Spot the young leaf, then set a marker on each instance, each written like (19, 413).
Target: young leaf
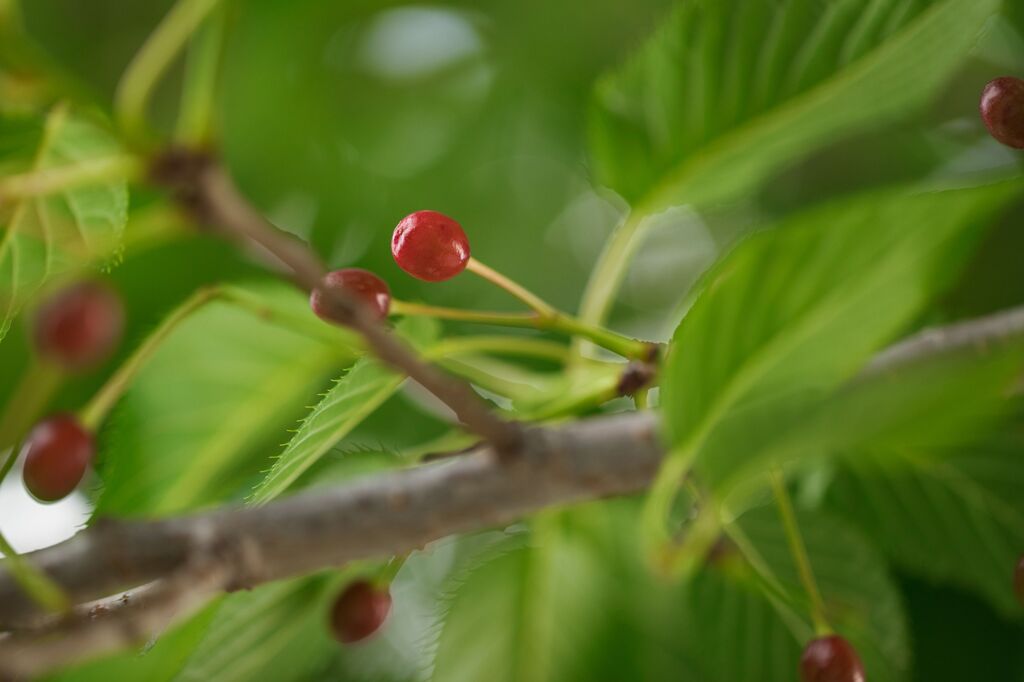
(793, 311)
(354, 397)
(51, 236)
(203, 408)
(729, 90)
(953, 515)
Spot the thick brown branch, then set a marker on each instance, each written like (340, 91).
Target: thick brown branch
(381, 516)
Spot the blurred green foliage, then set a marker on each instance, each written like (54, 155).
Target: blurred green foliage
(538, 124)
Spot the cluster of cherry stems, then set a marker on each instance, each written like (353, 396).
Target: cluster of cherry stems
(80, 326)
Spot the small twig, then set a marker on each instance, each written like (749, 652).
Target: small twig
(90, 634)
(206, 189)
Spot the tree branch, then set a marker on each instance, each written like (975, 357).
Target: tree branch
(395, 512)
(205, 188)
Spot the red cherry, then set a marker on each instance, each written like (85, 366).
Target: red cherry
(57, 453)
(830, 659)
(430, 246)
(1018, 580)
(1002, 110)
(363, 284)
(80, 326)
(359, 611)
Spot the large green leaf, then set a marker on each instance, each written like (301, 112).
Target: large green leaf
(952, 515)
(729, 90)
(205, 409)
(898, 402)
(861, 602)
(353, 397)
(54, 235)
(793, 311)
(275, 632)
(527, 615)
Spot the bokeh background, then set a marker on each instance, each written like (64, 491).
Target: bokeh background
(339, 118)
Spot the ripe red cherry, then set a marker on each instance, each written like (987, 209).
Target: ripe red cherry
(830, 659)
(80, 326)
(58, 451)
(1018, 580)
(363, 284)
(1002, 110)
(359, 611)
(430, 246)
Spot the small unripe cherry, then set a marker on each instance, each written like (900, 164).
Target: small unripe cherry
(1002, 110)
(830, 659)
(57, 453)
(430, 246)
(357, 282)
(1018, 580)
(359, 611)
(80, 326)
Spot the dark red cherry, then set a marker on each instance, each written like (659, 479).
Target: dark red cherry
(80, 326)
(830, 659)
(1018, 580)
(359, 611)
(57, 453)
(362, 284)
(1002, 110)
(430, 246)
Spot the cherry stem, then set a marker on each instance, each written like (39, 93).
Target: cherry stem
(542, 307)
(37, 386)
(799, 551)
(36, 584)
(153, 59)
(555, 321)
(47, 181)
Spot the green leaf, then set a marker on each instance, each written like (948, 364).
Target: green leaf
(526, 615)
(911, 403)
(53, 236)
(730, 90)
(954, 515)
(202, 412)
(353, 397)
(727, 623)
(792, 312)
(158, 661)
(275, 632)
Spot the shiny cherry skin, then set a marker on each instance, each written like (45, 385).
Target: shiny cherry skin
(359, 612)
(57, 454)
(430, 246)
(362, 284)
(830, 659)
(80, 326)
(1002, 110)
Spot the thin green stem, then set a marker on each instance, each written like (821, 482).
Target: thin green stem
(500, 345)
(557, 322)
(799, 551)
(53, 180)
(93, 414)
(152, 61)
(37, 386)
(536, 303)
(610, 270)
(36, 584)
(195, 126)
